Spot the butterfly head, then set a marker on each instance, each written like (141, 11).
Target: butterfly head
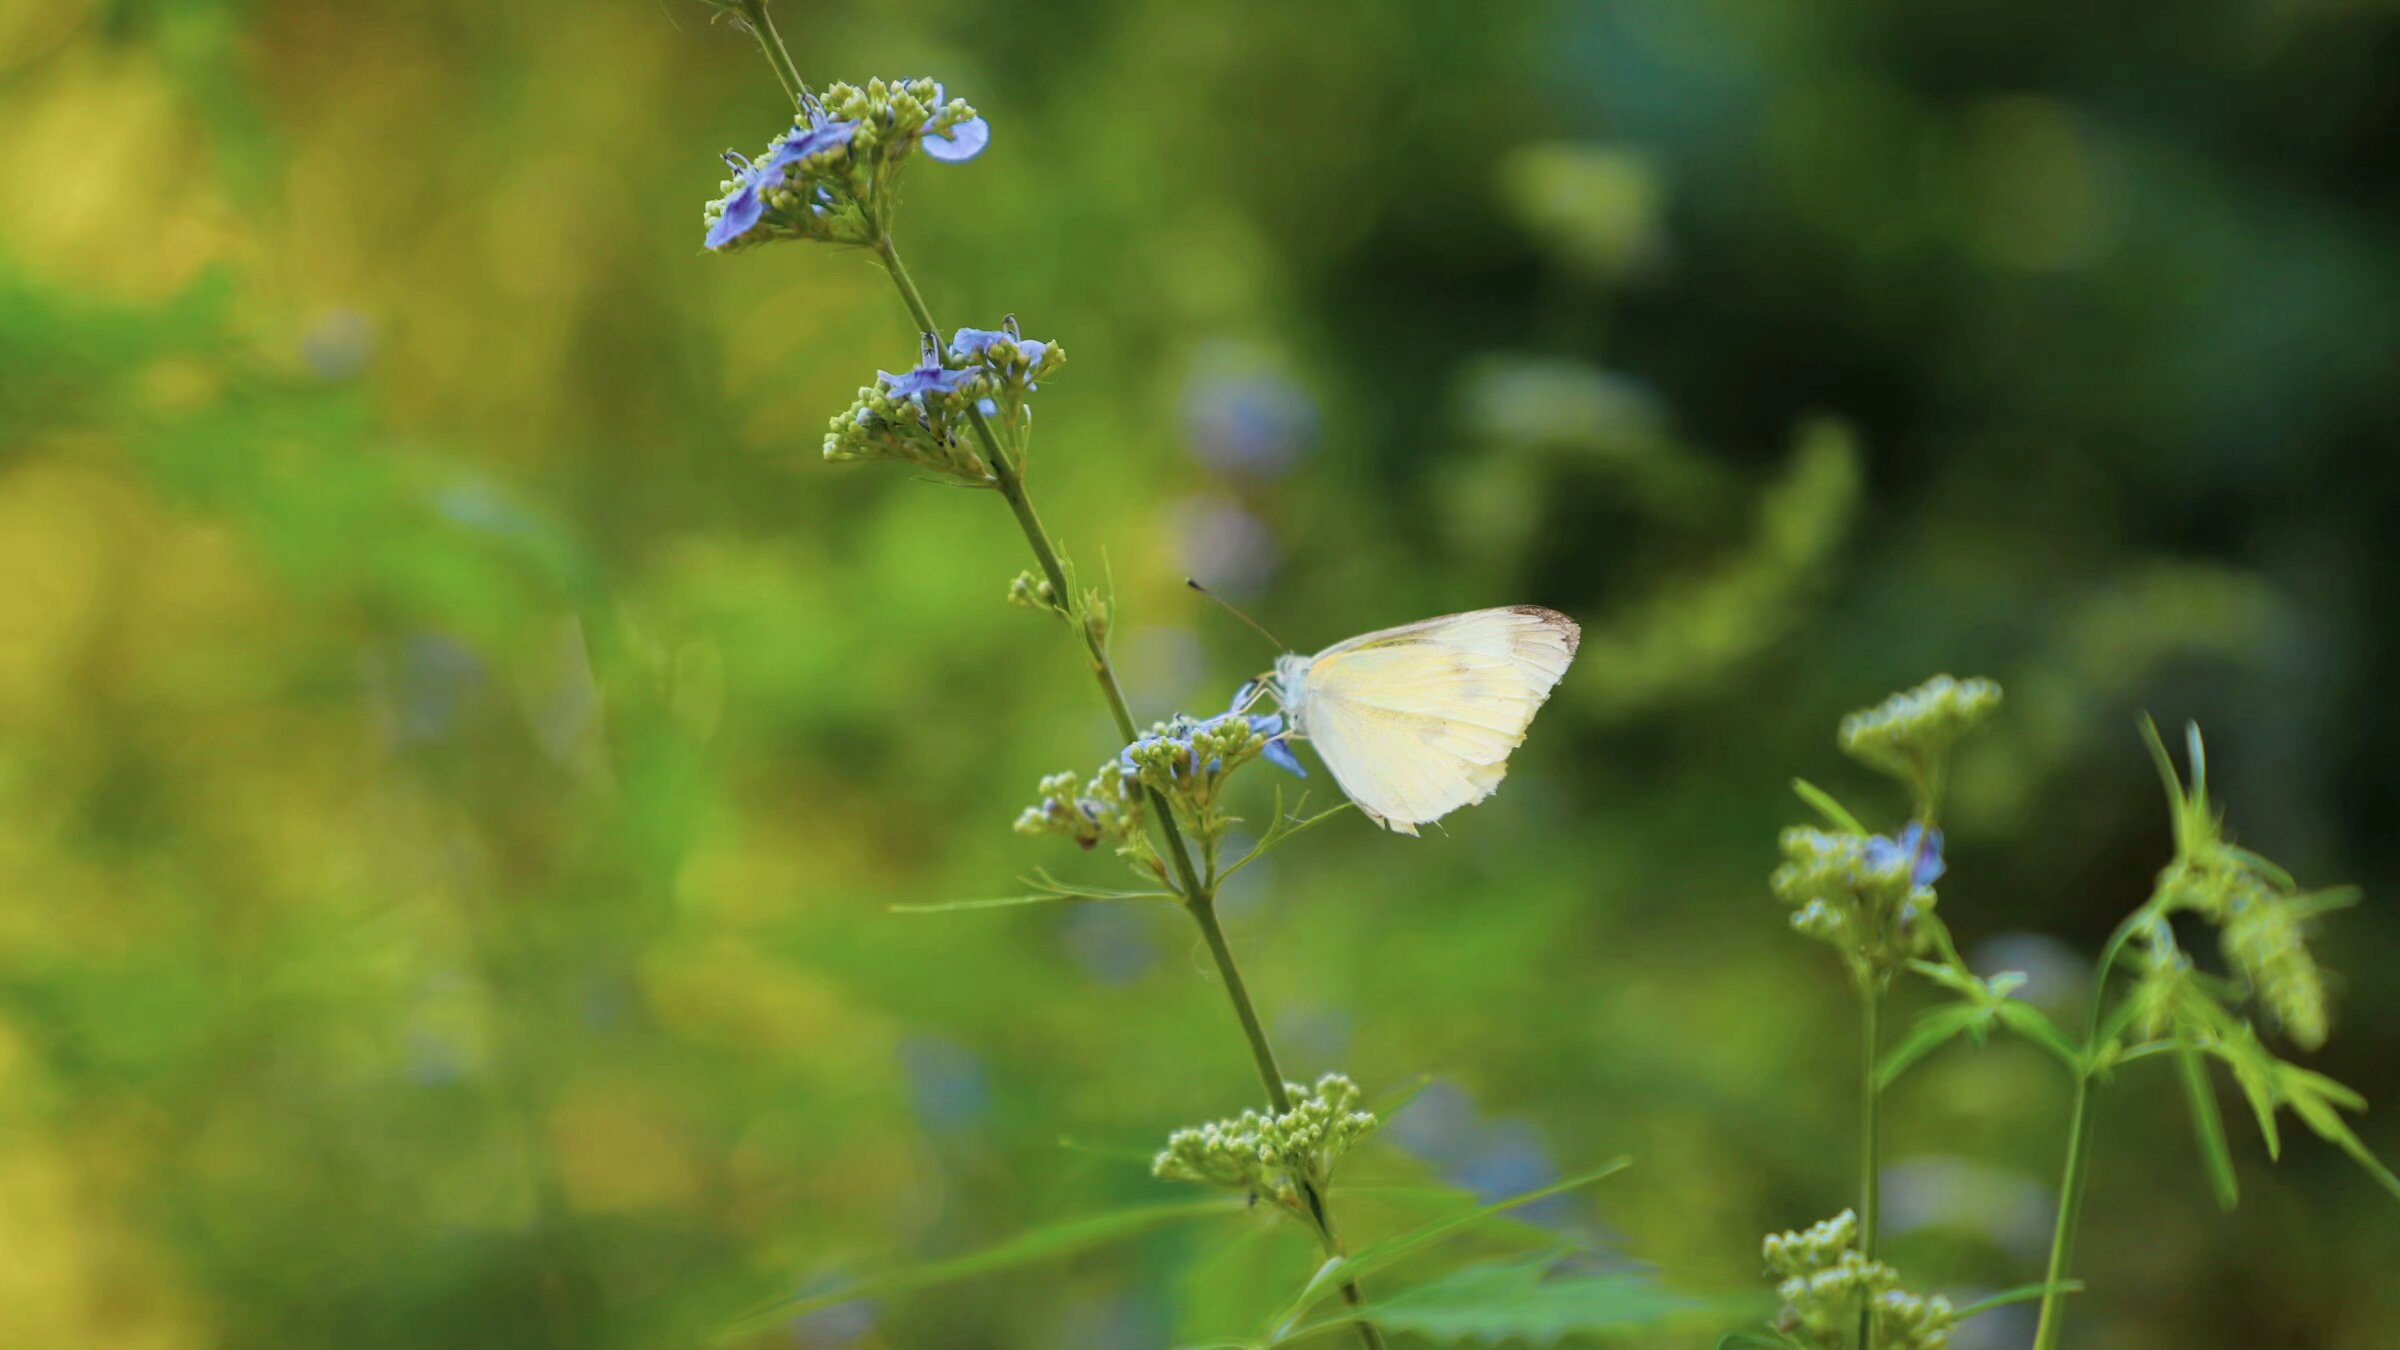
(1290, 683)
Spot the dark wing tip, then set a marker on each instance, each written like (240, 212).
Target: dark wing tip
(1551, 618)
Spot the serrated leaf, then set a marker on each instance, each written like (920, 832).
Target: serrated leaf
(1041, 1244)
(1521, 1300)
(2035, 1025)
(2319, 1102)
(2208, 1127)
(1932, 1030)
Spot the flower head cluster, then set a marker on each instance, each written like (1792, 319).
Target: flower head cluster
(1273, 1156)
(1825, 1282)
(922, 415)
(1106, 808)
(1868, 895)
(835, 175)
(1006, 366)
(1909, 735)
(2259, 912)
(1188, 760)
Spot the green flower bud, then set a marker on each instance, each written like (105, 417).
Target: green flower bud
(1273, 1156)
(1909, 734)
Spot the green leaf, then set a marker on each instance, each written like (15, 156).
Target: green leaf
(1824, 804)
(2035, 1025)
(2023, 1293)
(2208, 1127)
(1283, 829)
(1047, 890)
(1042, 1244)
(2314, 903)
(1933, 1029)
(1520, 1299)
(2319, 1102)
(1044, 898)
(2254, 1072)
(1333, 1274)
(1757, 1340)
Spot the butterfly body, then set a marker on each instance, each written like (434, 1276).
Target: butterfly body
(1419, 720)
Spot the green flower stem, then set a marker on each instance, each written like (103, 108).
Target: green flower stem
(2070, 1213)
(754, 15)
(2079, 1139)
(1871, 991)
(1199, 900)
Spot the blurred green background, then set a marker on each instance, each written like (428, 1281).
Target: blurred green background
(458, 743)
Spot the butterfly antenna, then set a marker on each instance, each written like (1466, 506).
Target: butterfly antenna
(1228, 607)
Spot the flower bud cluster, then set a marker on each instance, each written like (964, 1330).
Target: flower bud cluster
(2262, 939)
(1188, 760)
(1031, 591)
(1909, 734)
(1108, 808)
(1867, 895)
(835, 175)
(1007, 366)
(1273, 1156)
(922, 416)
(1825, 1282)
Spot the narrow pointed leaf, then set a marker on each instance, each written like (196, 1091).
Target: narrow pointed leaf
(2208, 1127)
(1042, 1244)
(2034, 1025)
(1377, 1256)
(1824, 805)
(1932, 1030)
(1020, 901)
(2023, 1293)
(1522, 1299)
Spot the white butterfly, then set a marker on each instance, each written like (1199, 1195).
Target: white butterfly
(1418, 721)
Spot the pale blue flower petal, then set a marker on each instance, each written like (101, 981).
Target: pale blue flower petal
(961, 143)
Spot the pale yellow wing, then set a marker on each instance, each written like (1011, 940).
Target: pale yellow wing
(1418, 721)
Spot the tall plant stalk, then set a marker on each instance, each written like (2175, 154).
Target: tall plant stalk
(1199, 897)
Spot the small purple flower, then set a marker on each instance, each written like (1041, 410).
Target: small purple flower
(747, 204)
(814, 140)
(960, 143)
(970, 344)
(926, 379)
(1278, 752)
(1889, 853)
(1278, 749)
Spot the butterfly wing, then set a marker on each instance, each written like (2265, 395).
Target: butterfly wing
(1418, 721)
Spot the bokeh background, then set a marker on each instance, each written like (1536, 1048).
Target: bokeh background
(458, 743)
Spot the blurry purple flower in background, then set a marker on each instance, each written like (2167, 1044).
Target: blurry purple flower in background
(945, 1083)
(1220, 542)
(430, 680)
(1493, 1158)
(1117, 1321)
(1258, 423)
(339, 344)
(834, 1328)
(1114, 944)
